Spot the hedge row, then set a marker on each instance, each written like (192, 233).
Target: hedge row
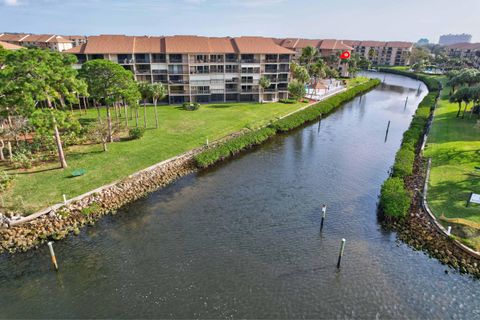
(394, 193)
(322, 108)
(233, 146)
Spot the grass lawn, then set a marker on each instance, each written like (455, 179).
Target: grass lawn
(454, 146)
(179, 131)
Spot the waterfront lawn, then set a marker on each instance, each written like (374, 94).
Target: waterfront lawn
(454, 146)
(179, 131)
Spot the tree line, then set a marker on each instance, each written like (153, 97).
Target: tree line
(39, 89)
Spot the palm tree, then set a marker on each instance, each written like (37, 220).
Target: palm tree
(158, 93)
(318, 72)
(309, 56)
(264, 84)
(146, 93)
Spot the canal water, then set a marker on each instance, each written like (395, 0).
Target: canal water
(243, 240)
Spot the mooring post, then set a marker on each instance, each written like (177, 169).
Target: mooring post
(340, 254)
(386, 133)
(449, 230)
(52, 254)
(406, 101)
(384, 77)
(64, 199)
(419, 85)
(324, 213)
(207, 142)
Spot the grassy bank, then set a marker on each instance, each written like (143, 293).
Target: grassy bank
(454, 147)
(179, 131)
(311, 113)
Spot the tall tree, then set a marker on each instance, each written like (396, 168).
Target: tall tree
(264, 84)
(32, 76)
(299, 73)
(108, 82)
(158, 93)
(145, 90)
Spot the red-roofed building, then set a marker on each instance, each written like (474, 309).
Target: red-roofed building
(198, 69)
(50, 41)
(465, 50)
(9, 46)
(393, 53)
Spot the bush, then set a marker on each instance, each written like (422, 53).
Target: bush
(403, 162)
(191, 106)
(322, 107)
(5, 181)
(22, 159)
(287, 101)
(394, 199)
(136, 133)
(231, 147)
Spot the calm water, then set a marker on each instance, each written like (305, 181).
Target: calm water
(242, 240)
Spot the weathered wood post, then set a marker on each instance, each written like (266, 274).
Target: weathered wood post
(52, 254)
(406, 101)
(386, 133)
(64, 199)
(324, 213)
(340, 254)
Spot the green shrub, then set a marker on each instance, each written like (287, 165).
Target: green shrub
(91, 209)
(403, 162)
(394, 199)
(136, 133)
(287, 101)
(191, 106)
(5, 180)
(22, 159)
(232, 147)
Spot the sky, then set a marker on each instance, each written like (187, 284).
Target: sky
(407, 20)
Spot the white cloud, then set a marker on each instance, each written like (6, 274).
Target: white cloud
(11, 3)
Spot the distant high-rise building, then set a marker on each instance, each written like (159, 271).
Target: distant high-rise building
(448, 39)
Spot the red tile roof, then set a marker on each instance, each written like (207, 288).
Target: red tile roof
(9, 46)
(327, 44)
(464, 46)
(178, 44)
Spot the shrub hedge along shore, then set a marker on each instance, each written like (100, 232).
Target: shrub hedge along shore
(234, 146)
(395, 199)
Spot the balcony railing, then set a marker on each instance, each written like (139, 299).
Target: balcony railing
(181, 81)
(125, 61)
(177, 60)
(270, 71)
(247, 80)
(284, 60)
(142, 61)
(142, 71)
(231, 70)
(159, 71)
(271, 60)
(159, 60)
(178, 92)
(231, 89)
(199, 71)
(249, 91)
(250, 61)
(232, 80)
(200, 91)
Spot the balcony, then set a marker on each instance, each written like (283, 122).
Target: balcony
(270, 70)
(249, 91)
(270, 60)
(159, 71)
(178, 81)
(142, 60)
(231, 89)
(178, 92)
(234, 80)
(142, 71)
(250, 61)
(199, 71)
(200, 91)
(284, 60)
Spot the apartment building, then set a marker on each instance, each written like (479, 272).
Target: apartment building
(76, 40)
(326, 48)
(9, 46)
(465, 50)
(198, 69)
(45, 41)
(393, 53)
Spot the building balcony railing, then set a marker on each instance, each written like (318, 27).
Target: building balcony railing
(249, 91)
(142, 61)
(270, 90)
(178, 81)
(159, 71)
(270, 60)
(200, 72)
(177, 61)
(247, 80)
(178, 92)
(250, 61)
(200, 92)
(159, 60)
(284, 60)
(231, 89)
(231, 70)
(270, 70)
(142, 71)
(231, 59)
(231, 81)
(125, 61)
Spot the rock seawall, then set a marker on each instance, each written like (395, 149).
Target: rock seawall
(58, 223)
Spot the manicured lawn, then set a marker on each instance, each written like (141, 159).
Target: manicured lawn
(179, 131)
(454, 146)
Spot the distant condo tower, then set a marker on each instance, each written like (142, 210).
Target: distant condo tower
(448, 39)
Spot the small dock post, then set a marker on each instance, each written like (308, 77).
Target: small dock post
(406, 101)
(52, 255)
(386, 133)
(324, 213)
(64, 199)
(340, 254)
(449, 230)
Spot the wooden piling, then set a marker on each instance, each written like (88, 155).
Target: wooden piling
(52, 255)
(340, 254)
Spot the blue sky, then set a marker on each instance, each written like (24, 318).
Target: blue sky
(347, 19)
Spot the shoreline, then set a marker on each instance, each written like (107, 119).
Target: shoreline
(61, 220)
(420, 229)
